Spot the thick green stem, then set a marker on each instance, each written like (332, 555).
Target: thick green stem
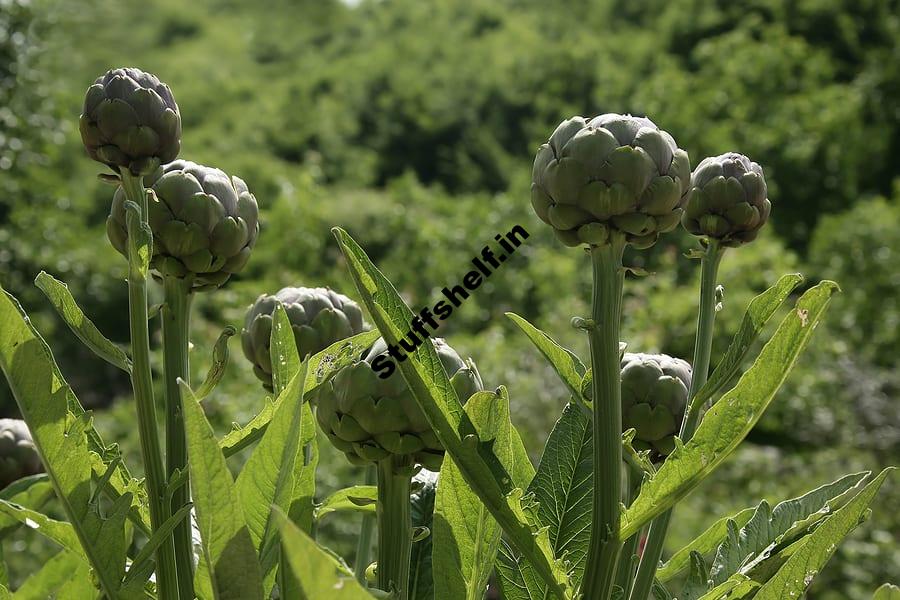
(176, 319)
(394, 526)
(603, 334)
(706, 317)
(366, 529)
(142, 384)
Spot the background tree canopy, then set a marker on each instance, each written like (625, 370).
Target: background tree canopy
(413, 125)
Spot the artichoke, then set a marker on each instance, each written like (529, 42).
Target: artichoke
(614, 173)
(18, 456)
(130, 120)
(319, 317)
(728, 200)
(654, 396)
(370, 418)
(204, 223)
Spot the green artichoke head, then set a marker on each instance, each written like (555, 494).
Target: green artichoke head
(204, 223)
(18, 457)
(319, 317)
(612, 175)
(728, 200)
(130, 120)
(370, 418)
(654, 396)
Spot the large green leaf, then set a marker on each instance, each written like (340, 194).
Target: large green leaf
(434, 394)
(61, 440)
(318, 572)
(228, 548)
(321, 366)
(733, 416)
(767, 526)
(64, 577)
(267, 478)
(801, 568)
(466, 536)
(30, 492)
(759, 312)
(704, 544)
(60, 532)
(64, 303)
(563, 490)
(566, 364)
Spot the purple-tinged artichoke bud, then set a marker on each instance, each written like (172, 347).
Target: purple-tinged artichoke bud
(204, 223)
(130, 120)
(614, 173)
(319, 317)
(728, 200)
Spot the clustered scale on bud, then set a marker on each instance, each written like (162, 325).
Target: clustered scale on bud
(204, 223)
(728, 200)
(654, 397)
(18, 456)
(130, 120)
(614, 173)
(319, 317)
(370, 418)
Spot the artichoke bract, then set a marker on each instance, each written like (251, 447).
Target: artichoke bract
(319, 317)
(654, 396)
(728, 199)
(130, 120)
(369, 418)
(204, 223)
(18, 456)
(614, 173)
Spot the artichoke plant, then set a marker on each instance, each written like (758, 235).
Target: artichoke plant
(130, 120)
(204, 223)
(728, 200)
(18, 456)
(614, 173)
(654, 397)
(370, 418)
(319, 317)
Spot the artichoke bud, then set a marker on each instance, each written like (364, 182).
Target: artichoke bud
(204, 223)
(18, 456)
(612, 174)
(319, 317)
(654, 397)
(728, 200)
(370, 418)
(130, 120)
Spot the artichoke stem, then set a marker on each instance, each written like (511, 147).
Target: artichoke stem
(394, 526)
(606, 312)
(656, 535)
(176, 320)
(366, 529)
(142, 384)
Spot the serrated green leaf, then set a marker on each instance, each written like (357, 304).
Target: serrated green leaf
(64, 577)
(766, 526)
(704, 544)
(44, 397)
(434, 394)
(466, 536)
(696, 584)
(67, 308)
(60, 532)
(231, 558)
(30, 492)
(729, 421)
(798, 572)
(219, 362)
(319, 574)
(321, 366)
(759, 312)
(562, 487)
(357, 498)
(267, 478)
(566, 364)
